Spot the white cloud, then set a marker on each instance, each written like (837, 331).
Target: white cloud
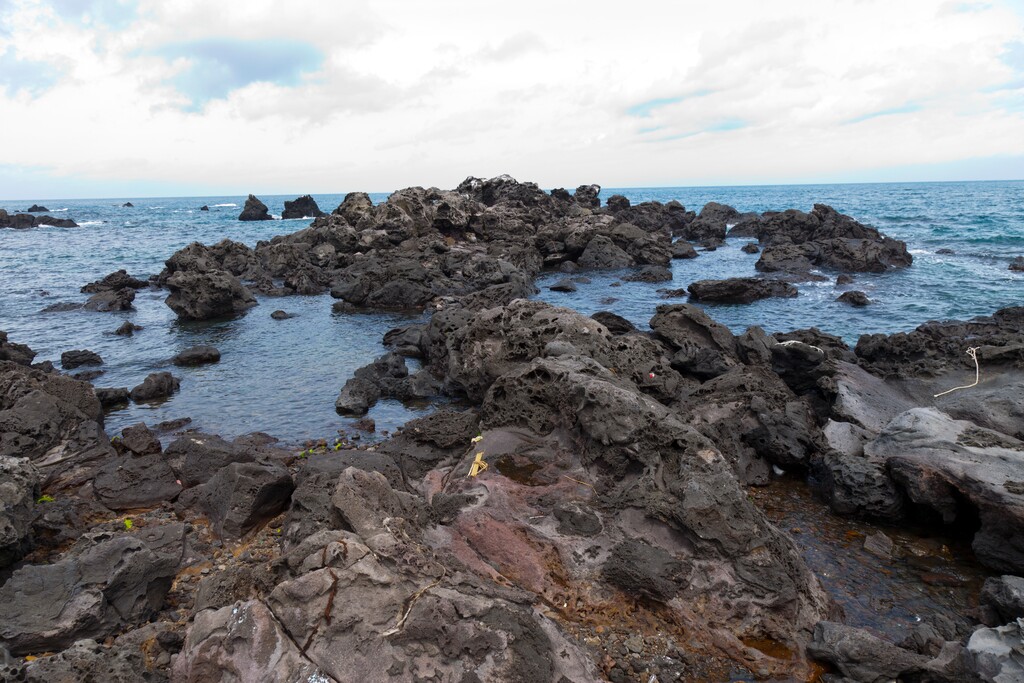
(560, 93)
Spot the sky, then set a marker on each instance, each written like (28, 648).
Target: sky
(102, 98)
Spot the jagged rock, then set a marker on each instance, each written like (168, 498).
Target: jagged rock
(197, 355)
(997, 654)
(195, 458)
(854, 298)
(120, 300)
(588, 196)
(204, 296)
(240, 497)
(303, 207)
(105, 583)
(740, 290)
(385, 376)
(157, 386)
(204, 207)
(19, 489)
(601, 252)
(938, 347)
(639, 568)
(113, 282)
(70, 360)
(712, 222)
(254, 210)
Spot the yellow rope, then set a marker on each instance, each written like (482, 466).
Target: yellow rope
(973, 353)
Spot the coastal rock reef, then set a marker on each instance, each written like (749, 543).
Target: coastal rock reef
(580, 505)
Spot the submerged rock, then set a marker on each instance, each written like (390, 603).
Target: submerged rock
(114, 282)
(197, 355)
(157, 386)
(119, 300)
(70, 360)
(854, 298)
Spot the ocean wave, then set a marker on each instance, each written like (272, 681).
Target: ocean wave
(917, 252)
(275, 216)
(225, 205)
(84, 224)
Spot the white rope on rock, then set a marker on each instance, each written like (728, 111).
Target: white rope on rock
(973, 353)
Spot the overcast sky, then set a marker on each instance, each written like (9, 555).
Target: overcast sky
(182, 97)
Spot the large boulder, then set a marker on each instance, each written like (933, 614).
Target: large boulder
(702, 347)
(197, 355)
(240, 497)
(69, 360)
(860, 656)
(157, 386)
(303, 207)
(254, 210)
(113, 282)
(118, 300)
(15, 353)
(103, 584)
(136, 482)
(209, 295)
(739, 290)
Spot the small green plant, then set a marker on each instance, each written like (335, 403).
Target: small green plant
(45, 499)
(128, 524)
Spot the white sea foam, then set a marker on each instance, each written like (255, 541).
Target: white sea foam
(225, 205)
(84, 224)
(918, 251)
(275, 216)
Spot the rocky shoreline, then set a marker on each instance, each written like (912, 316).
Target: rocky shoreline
(583, 512)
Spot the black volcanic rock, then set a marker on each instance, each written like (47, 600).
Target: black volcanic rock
(254, 210)
(854, 298)
(16, 353)
(197, 355)
(128, 205)
(740, 290)
(119, 300)
(204, 207)
(204, 296)
(36, 208)
(1017, 264)
(156, 387)
(587, 196)
(69, 360)
(116, 280)
(303, 207)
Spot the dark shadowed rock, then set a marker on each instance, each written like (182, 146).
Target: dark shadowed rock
(195, 458)
(702, 347)
(128, 205)
(617, 203)
(564, 285)
(15, 353)
(1017, 264)
(281, 315)
(36, 208)
(750, 248)
(127, 329)
(303, 207)
(204, 207)
(241, 497)
(197, 355)
(70, 360)
(854, 298)
(157, 386)
(616, 324)
(642, 569)
(254, 210)
(113, 282)
(601, 252)
(19, 489)
(844, 279)
(740, 290)
(110, 397)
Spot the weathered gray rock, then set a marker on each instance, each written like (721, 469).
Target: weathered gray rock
(109, 397)
(601, 252)
(157, 386)
(105, 583)
(639, 568)
(702, 347)
(139, 439)
(119, 300)
(860, 656)
(19, 489)
(854, 298)
(133, 482)
(197, 355)
(997, 654)
(115, 281)
(208, 295)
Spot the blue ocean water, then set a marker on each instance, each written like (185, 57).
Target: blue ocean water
(282, 377)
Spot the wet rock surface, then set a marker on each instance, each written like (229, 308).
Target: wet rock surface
(739, 290)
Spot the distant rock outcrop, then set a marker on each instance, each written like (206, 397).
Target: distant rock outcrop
(254, 210)
(303, 207)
